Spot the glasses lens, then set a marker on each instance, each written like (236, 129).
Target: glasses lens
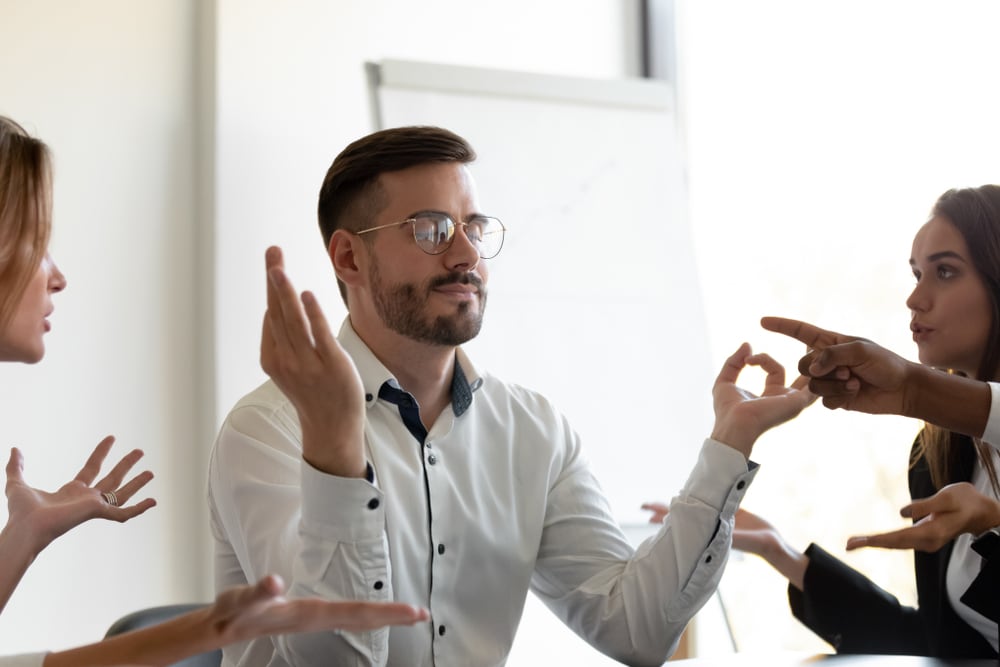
(487, 235)
(433, 232)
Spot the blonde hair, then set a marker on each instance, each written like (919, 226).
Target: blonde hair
(25, 212)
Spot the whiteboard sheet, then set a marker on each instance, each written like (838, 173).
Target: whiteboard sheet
(594, 300)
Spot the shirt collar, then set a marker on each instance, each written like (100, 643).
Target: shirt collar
(464, 382)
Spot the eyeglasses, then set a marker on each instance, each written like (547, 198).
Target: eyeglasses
(434, 232)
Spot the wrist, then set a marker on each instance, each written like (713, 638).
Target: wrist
(22, 541)
(990, 521)
(734, 438)
(340, 454)
(791, 564)
(950, 401)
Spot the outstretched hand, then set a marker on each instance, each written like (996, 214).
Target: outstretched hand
(302, 356)
(741, 416)
(43, 516)
(247, 612)
(955, 509)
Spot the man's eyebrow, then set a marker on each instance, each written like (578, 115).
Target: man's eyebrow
(425, 211)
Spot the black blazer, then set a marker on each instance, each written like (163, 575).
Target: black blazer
(855, 616)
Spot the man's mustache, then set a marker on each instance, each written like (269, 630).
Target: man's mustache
(457, 278)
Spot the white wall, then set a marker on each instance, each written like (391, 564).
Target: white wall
(165, 201)
(109, 87)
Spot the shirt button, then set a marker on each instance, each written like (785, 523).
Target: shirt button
(429, 444)
(441, 630)
(440, 548)
(368, 398)
(378, 585)
(373, 503)
(708, 559)
(432, 459)
(740, 485)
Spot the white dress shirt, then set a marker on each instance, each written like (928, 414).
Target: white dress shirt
(497, 501)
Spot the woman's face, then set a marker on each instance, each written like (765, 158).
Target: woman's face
(21, 339)
(950, 306)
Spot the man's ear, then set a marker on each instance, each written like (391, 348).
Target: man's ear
(348, 256)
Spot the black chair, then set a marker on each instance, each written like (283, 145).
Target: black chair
(154, 615)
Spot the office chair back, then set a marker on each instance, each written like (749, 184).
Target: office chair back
(154, 615)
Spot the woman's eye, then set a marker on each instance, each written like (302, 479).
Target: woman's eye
(945, 272)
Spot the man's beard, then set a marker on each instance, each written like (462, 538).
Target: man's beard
(403, 307)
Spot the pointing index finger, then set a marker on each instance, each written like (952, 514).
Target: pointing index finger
(804, 332)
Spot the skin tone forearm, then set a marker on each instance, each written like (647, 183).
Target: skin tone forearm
(238, 614)
(950, 401)
(299, 352)
(17, 555)
(789, 562)
(164, 644)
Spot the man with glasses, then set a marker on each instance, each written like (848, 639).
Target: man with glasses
(382, 464)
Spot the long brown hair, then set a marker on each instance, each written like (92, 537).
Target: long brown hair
(25, 212)
(975, 213)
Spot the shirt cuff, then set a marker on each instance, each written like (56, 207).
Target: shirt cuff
(991, 434)
(719, 470)
(343, 509)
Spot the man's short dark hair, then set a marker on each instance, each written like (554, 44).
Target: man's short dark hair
(351, 195)
(358, 167)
